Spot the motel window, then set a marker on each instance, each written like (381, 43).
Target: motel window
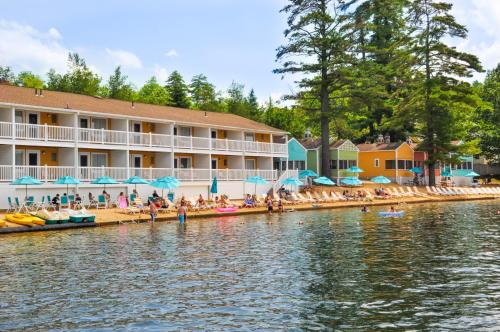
(300, 165)
(377, 162)
(390, 164)
(98, 123)
(401, 164)
(343, 164)
(333, 164)
(249, 163)
(99, 159)
(409, 164)
(249, 137)
(182, 131)
(283, 165)
(352, 163)
(19, 157)
(182, 162)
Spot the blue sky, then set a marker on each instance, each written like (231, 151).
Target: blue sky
(224, 39)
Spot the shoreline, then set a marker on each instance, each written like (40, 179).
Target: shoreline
(115, 217)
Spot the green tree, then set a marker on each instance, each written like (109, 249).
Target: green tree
(318, 49)
(29, 80)
(117, 86)
(291, 119)
(78, 79)
(437, 100)
(153, 93)
(489, 116)
(253, 106)
(235, 100)
(202, 93)
(178, 91)
(7, 75)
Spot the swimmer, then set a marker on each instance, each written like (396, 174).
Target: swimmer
(392, 209)
(364, 209)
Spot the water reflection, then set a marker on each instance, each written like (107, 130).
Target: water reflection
(436, 268)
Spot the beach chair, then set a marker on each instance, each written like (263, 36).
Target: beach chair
(11, 206)
(339, 196)
(369, 197)
(393, 192)
(20, 206)
(313, 198)
(326, 197)
(418, 193)
(304, 199)
(194, 205)
(132, 197)
(101, 202)
(297, 199)
(138, 204)
(403, 193)
(64, 202)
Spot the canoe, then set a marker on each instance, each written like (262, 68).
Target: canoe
(24, 219)
(391, 214)
(226, 209)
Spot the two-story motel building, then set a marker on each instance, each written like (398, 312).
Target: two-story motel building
(48, 134)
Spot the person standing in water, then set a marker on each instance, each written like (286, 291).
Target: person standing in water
(270, 205)
(182, 213)
(153, 210)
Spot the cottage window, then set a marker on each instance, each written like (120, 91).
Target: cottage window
(352, 163)
(377, 162)
(333, 164)
(409, 164)
(343, 164)
(390, 164)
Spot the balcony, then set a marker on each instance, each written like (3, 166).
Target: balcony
(46, 133)
(87, 174)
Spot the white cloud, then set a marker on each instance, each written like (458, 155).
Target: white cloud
(25, 48)
(54, 33)
(161, 73)
(124, 58)
(172, 53)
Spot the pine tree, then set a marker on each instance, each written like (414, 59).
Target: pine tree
(318, 49)
(153, 93)
(489, 117)
(253, 106)
(118, 87)
(202, 93)
(178, 91)
(436, 99)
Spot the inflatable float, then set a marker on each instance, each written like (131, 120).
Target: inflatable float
(226, 209)
(24, 219)
(79, 216)
(392, 214)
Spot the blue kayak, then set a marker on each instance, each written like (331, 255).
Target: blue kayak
(391, 214)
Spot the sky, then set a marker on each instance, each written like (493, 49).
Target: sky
(227, 40)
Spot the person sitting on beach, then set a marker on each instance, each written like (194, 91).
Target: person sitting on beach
(248, 202)
(78, 200)
(200, 202)
(122, 200)
(222, 202)
(107, 198)
(55, 201)
(155, 194)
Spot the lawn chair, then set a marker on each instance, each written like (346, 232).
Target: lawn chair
(101, 202)
(297, 199)
(20, 206)
(368, 196)
(64, 202)
(339, 196)
(139, 204)
(12, 207)
(326, 197)
(304, 199)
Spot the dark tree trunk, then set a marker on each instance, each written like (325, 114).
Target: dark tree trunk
(432, 174)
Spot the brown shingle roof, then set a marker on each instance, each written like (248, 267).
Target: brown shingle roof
(311, 143)
(338, 143)
(75, 102)
(379, 147)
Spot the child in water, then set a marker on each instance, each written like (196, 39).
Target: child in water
(364, 209)
(153, 210)
(280, 206)
(182, 213)
(270, 205)
(392, 209)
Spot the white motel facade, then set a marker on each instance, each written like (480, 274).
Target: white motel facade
(48, 135)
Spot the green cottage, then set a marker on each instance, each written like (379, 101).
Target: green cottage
(343, 154)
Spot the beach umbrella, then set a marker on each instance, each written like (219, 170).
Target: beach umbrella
(213, 187)
(104, 180)
(381, 180)
(471, 174)
(307, 173)
(67, 180)
(135, 180)
(354, 169)
(417, 170)
(291, 182)
(351, 181)
(324, 181)
(256, 180)
(167, 182)
(26, 181)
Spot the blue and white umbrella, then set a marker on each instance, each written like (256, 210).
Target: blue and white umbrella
(351, 181)
(307, 173)
(256, 180)
(381, 180)
(324, 181)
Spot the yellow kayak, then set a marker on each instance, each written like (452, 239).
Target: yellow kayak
(24, 219)
(2, 223)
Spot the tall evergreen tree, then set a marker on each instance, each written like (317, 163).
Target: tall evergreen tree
(178, 90)
(236, 103)
(202, 93)
(437, 98)
(117, 86)
(253, 106)
(489, 117)
(318, 49)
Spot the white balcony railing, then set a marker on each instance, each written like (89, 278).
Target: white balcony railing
(87, 174)
(24, 131)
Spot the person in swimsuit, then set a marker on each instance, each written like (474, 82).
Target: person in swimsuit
(153, 210)
(270, 206)
(280, 206)
(182, 213)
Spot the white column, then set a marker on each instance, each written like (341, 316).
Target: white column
(127, 151)
(172, 143)
(76, 159)
(13, 114)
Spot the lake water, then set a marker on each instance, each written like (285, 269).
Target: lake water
(437, 268)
